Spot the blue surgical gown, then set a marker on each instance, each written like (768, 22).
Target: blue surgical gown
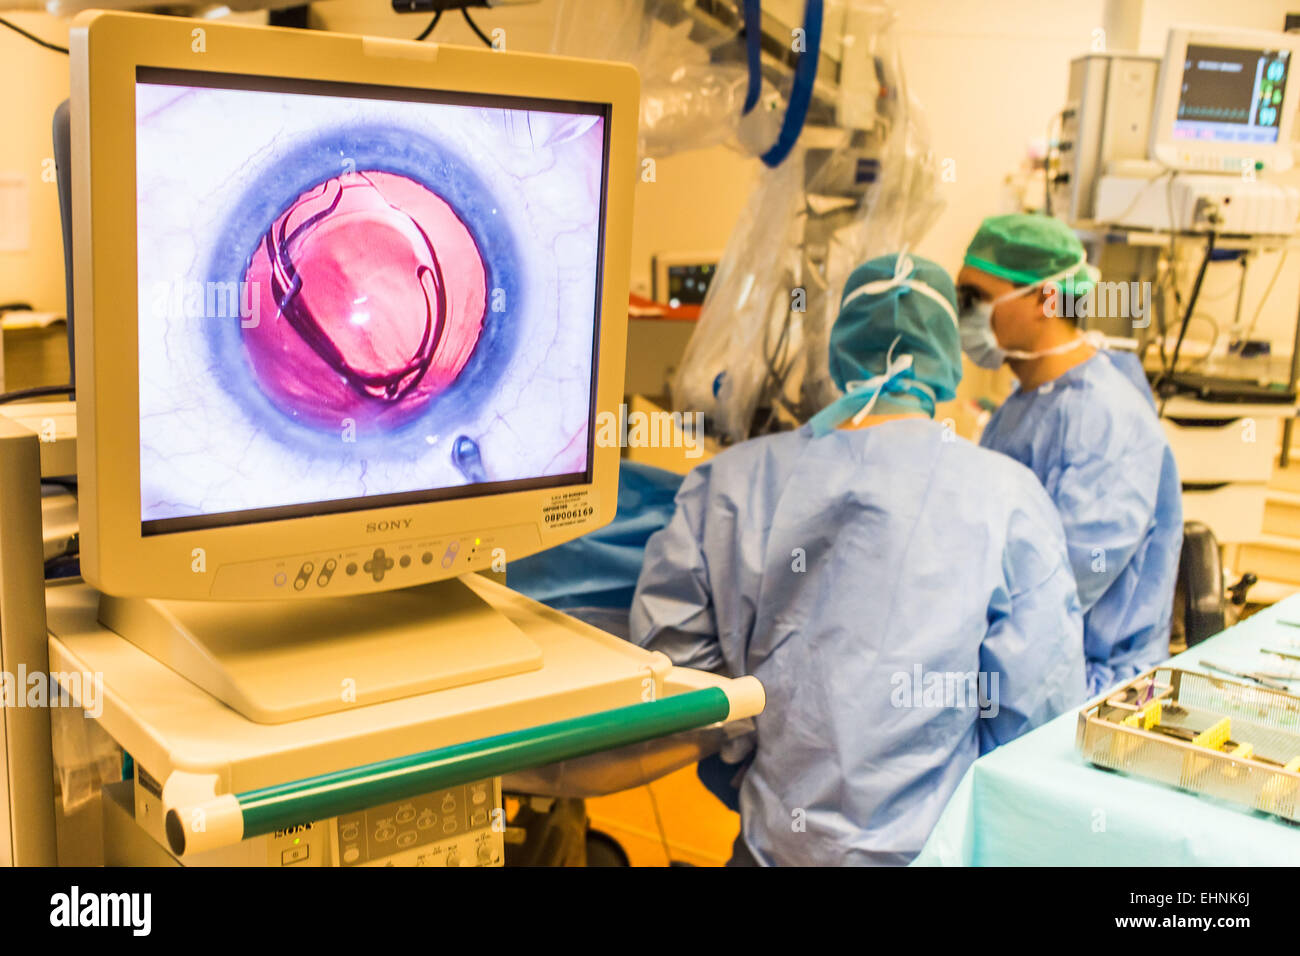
(857, 576)
(1096, 445)
(1130, 366)
(593, 577)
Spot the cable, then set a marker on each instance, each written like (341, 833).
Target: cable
(430, 28)
(1191, 301)
(1264, 298)
(774, 357)
(1232, 287)
(1162, 327)
(659, 825)
(1047, 164)
(1214, 341)
(1173, 237)
(38, 392)
(31, 36)
(1047, 171)
(464, 12)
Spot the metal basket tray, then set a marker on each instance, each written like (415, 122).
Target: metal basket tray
(1238, 742)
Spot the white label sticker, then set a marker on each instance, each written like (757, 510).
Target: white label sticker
(566, 508)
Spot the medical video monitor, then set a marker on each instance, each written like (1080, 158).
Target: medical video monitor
(348, 309)
(1226, 98)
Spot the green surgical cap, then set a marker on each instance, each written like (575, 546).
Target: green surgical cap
(868, 324)
(1026, 249)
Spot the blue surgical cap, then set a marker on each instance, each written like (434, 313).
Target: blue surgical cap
(868, 325)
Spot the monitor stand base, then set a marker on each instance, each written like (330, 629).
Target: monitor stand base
(276, 661)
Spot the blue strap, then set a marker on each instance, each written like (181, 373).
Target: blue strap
(805, 75)
(753, 14)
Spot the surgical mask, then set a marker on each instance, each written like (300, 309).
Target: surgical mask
(975, 323)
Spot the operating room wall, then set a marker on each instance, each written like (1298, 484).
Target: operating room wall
(33, 81)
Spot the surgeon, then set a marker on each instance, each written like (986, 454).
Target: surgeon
(1082, 423)
(903, 595)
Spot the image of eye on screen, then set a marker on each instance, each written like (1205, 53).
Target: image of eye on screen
(358, 296)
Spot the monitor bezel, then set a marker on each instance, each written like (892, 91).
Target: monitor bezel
(107, 49)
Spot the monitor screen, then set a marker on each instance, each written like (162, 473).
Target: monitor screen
(688, 284)
(355, 296)
(1231, 94)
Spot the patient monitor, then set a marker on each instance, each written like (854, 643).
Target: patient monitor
(1225, 99)
(1189, 142)
(347, 311)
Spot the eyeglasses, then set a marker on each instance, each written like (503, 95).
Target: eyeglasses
(968, 295)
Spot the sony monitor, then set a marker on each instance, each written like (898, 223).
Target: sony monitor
(349, 313)
(350, 307)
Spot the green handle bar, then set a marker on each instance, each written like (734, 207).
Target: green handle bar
(344, 791)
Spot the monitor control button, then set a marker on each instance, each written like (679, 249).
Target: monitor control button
(352, 567)
(406, 561)
(378, 565)
(326, 572)
(427, 557)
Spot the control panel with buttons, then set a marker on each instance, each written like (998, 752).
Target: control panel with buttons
(379, 567)
(451, 827)
(1218, 163)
